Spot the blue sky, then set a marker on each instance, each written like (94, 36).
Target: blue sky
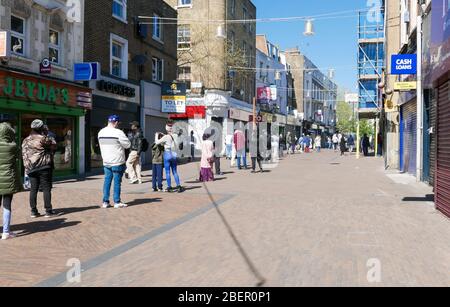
(335, 42)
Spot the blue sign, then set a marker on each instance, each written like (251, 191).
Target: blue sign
(86, 71)
(404, 64)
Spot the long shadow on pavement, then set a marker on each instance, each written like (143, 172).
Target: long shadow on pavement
(67, 211)
(428, 197)
(42, 226)
(144, 201)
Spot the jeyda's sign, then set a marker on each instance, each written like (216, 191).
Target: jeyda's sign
(404, 64)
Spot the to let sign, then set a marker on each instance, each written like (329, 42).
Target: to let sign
(404, 64)
(173, 97)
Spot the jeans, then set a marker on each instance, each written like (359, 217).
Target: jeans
(241, 154)
(7, 200)
(42, 179)
(229, 148)
(170, 163)
(318, 148)
(116, 173)
(157, 176)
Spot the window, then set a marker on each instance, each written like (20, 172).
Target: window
(244, 17)
(157, 28)
(54, 46)
(119, 56)
(120, 9)
(261, 65)
(18, 35)
(250, 25)
(232, 41)
(182, 3)
(184, 74)
(184, 37)
(158, 70)
(233, 7)
(244, 50)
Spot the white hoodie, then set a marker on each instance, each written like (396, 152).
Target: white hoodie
(113, 143)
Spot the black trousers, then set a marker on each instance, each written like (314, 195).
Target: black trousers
(217, 165)
(41, 179)
(254, 160)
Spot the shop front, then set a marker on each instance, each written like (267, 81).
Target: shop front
(408, 133)
(110, 96)
(61, 105)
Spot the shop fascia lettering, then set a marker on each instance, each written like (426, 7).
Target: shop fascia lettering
(19, 88)
(116, 88)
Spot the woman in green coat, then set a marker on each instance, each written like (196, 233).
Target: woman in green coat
(9, 174)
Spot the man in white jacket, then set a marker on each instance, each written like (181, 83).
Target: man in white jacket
(113, 143)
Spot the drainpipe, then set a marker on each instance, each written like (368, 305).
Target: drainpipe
(419, 158)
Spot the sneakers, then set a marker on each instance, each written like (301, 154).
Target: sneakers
(180, 189)
(35, 214)
(6, 236)
(120, 206)
(50, 214)
(106, 206)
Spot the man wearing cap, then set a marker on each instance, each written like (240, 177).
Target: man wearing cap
(37, 153)
(134, 159)
(113, 143)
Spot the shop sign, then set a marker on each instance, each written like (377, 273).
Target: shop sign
(173, 97)
(36, 90)
(263, 94)
(273, 93)
(240, 115)
(45, 67)
(217, 111)
(86, 71)
(404, 64)
(116, 88)
(4, 46)
(405, 86)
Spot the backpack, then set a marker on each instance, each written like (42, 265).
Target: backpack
(144, 145)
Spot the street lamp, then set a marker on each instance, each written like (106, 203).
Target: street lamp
(221, 32)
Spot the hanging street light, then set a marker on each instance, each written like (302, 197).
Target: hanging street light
(309, 28)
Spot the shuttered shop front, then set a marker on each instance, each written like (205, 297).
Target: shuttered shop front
(443, 150)
(409, 137)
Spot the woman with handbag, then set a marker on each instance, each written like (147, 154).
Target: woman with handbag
(170, 159)
(207, 160)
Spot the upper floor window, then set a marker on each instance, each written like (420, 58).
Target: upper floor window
(182, 3)
(244, 17)
(233, 7)
(119, 56)
(54, 46)
(18, 35)
(158, 69)
(232, 40)
(184, 37)
(120, 9)
(157, 28)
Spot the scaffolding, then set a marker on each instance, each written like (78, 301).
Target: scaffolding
(371, 60)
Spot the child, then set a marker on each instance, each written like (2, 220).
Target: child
(157, 161)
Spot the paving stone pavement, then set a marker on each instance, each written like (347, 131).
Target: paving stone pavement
(315, 220)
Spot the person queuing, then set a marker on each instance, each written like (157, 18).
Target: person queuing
(351, 143)
(207, 160)
(113, 143)
(255, 153)
(134, 159)
(307, 142)
(9, 175)
(335, 140)
(343, 146)
(157, 164)
(239, 144)
(170, 160)
(365, 145)
(37, 153)
(318, 143)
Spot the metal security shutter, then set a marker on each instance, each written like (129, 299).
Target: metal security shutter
(443, 150)
(409, 115)
(432, 139)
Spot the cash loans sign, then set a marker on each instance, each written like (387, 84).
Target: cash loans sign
(404, 64)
